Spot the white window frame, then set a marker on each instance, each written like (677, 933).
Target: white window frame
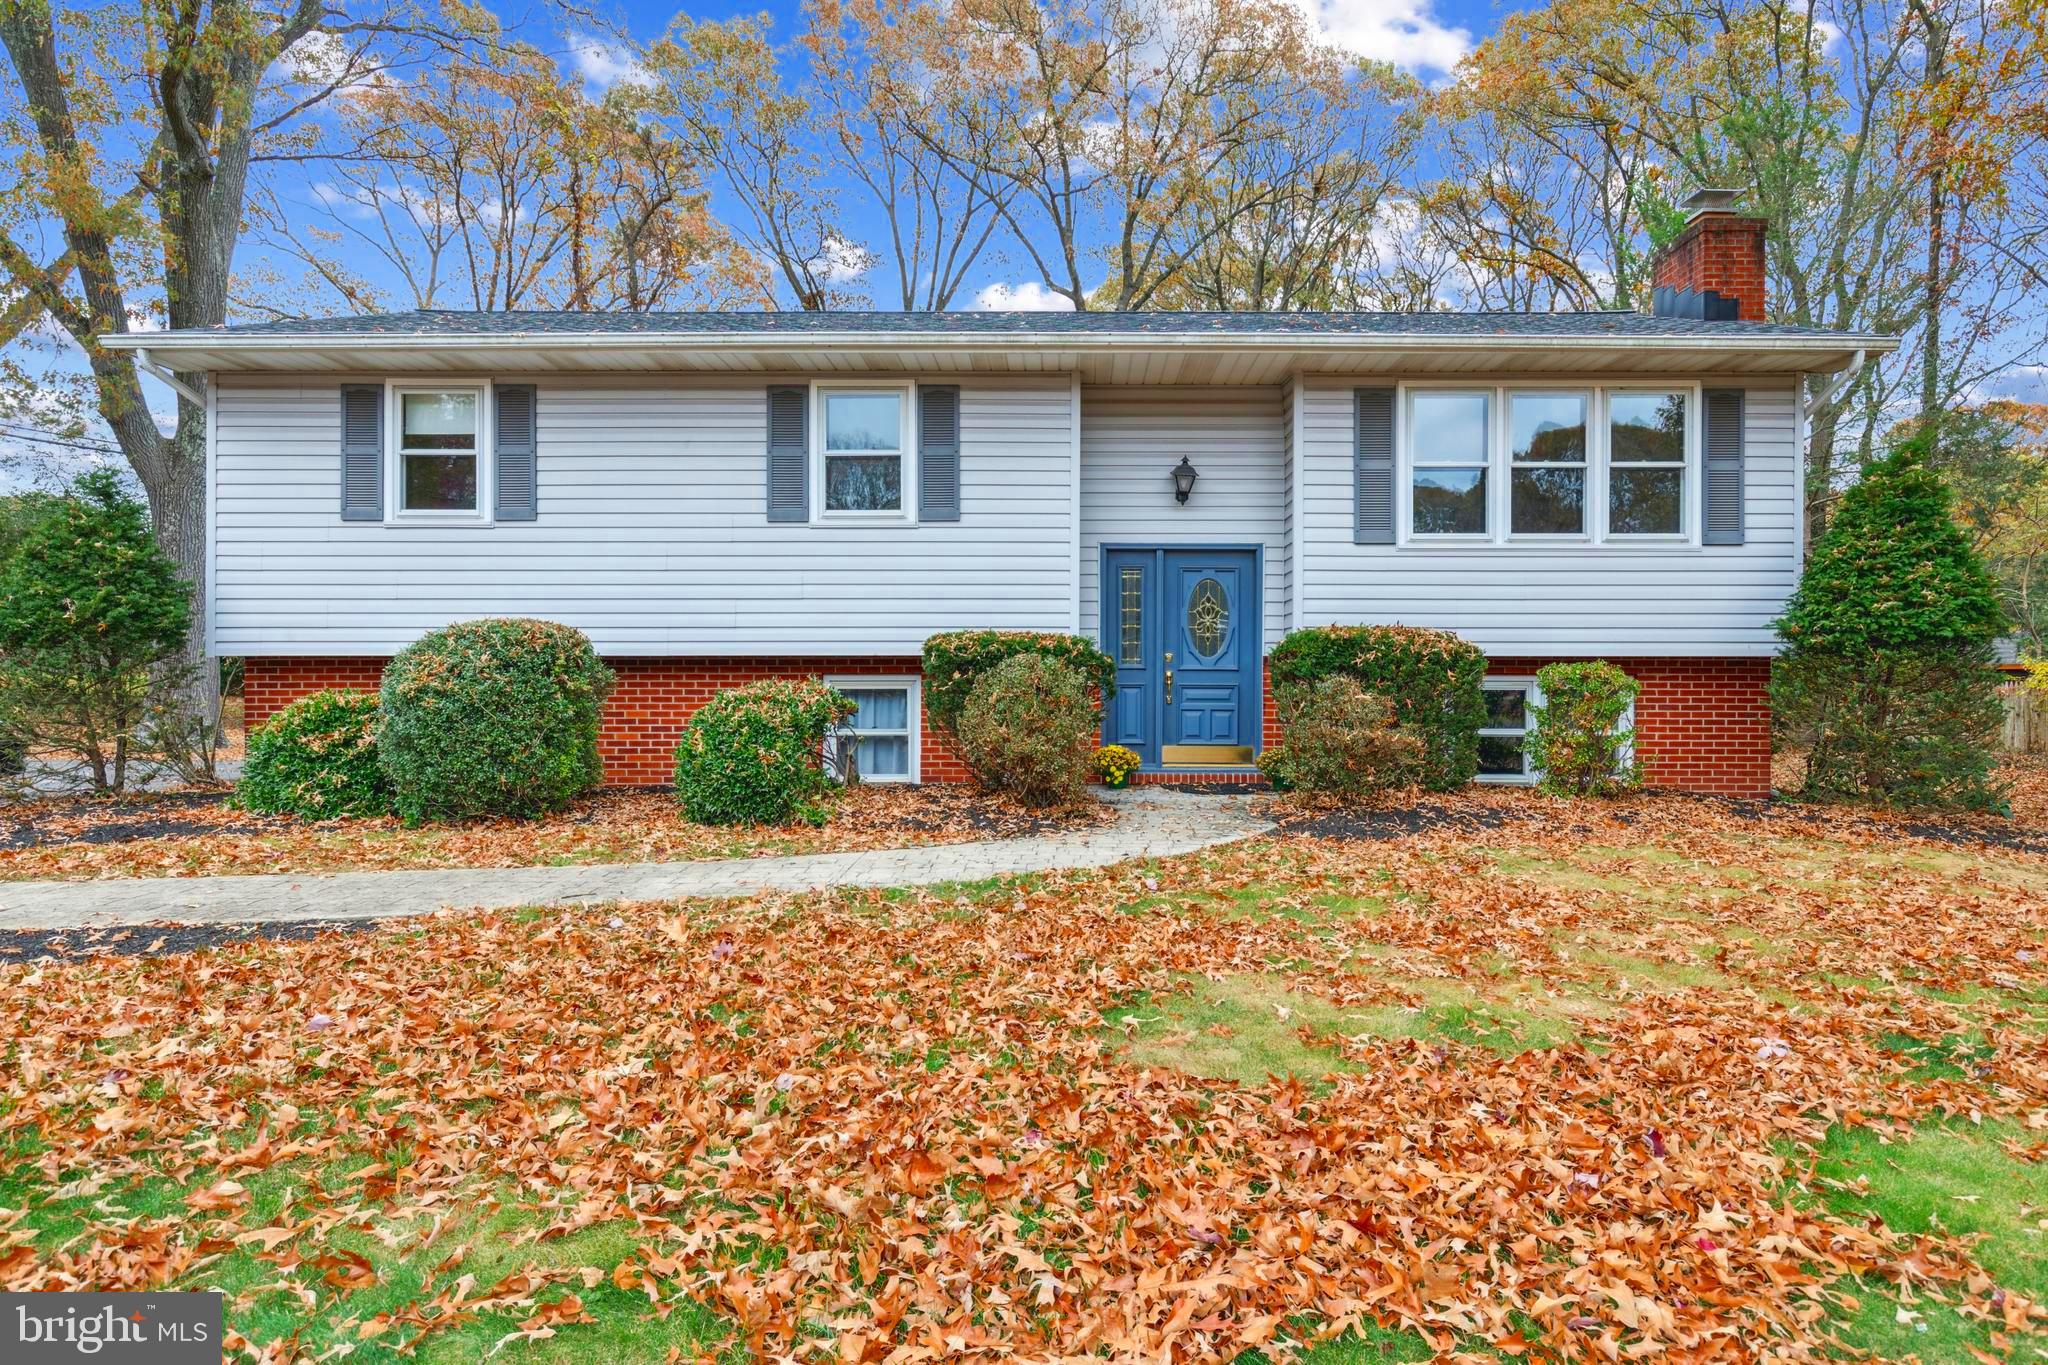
(904, 516)
(1532, 695)
(1689, 467)
(1591, 399)
(1410, 464)
(914, 714)
(396, 513)
(1531, 699)
(1500, 466)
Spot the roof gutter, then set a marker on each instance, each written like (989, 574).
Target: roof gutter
(1142, 341)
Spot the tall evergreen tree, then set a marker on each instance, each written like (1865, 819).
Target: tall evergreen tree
(92, 623)
(1886, 675)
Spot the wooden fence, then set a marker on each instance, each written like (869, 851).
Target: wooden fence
(2026, 719)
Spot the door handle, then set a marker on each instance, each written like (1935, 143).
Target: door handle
(1169, 686)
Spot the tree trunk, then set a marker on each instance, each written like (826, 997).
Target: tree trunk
(1937, 233)
(177, 509)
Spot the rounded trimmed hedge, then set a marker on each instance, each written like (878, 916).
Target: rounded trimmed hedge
(1342, 741)
(1434, 680)
(955, 660)
(1029, 728)
(492, 717)
(754, 755)
(317, 759)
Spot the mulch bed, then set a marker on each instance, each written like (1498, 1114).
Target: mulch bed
(27, 945)
(1483, 810)
(201, 833)
(124, 819)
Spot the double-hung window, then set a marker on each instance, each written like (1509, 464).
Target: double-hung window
(1535, 464)
(437, 442)
(1547, 463)
(1504, 739)
(1450, 438)
(880, 742)
(1647, 432)
(864, 468)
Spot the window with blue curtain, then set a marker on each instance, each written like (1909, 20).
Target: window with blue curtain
(881, 731)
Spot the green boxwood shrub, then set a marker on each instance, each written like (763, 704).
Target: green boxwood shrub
(1342, 742)
(754, 755)
(1029, 728)
(493, 717)
(955, 660)
(317, 759)
(1431, 678)
(1576, 735)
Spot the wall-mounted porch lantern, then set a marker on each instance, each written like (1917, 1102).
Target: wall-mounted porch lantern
(1184, 477)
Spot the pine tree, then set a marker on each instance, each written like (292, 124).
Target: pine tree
(92, 621)
(1893, 570)
(1886, 674)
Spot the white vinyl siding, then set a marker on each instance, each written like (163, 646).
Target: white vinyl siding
(1131, 438)
(652, 536)
(1535, 599)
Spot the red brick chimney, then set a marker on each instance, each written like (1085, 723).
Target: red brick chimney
(1715, 268)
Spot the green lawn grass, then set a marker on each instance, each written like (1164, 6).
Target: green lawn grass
(1955, 1178)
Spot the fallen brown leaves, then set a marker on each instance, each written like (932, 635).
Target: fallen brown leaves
(913, 1103)
(199, 834)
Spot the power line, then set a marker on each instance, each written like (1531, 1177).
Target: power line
(34, 437)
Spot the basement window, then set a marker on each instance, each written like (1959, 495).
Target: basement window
(1504, 739)
(879, 744)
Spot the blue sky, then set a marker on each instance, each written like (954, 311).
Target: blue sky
(1424, 37)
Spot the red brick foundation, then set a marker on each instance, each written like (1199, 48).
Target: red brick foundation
(643, 717)
(1701, 724)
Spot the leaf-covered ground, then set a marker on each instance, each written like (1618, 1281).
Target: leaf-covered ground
(1672, 1079)
(196, 834)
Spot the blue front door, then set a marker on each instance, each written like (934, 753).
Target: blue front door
(1183, 627)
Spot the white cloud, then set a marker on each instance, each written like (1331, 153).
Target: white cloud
(1028, 297)
(604, 64)
(1406, 33)
(321, 58)
(841, 261)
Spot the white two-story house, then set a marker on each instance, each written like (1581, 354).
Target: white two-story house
(717, 497)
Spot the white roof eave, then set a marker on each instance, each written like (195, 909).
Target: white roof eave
(226, 342)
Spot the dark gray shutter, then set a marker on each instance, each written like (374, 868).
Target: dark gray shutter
(516, 475)
(1723, 500)
(1372, 467)
(938, 453)
(789, 475)
(362, 452)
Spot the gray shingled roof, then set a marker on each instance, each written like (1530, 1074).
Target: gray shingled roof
(456, 324)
